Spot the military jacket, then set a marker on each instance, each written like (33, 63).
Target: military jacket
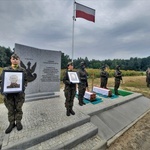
(66, 80)
(118, 75)
(104, 74)
(83, 75)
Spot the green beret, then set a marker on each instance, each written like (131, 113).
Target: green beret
(69, 63)
(15, 56)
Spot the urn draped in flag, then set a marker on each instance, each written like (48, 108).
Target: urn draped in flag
(90, 95)
(85, 12)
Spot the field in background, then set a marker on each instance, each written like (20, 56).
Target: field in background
(130, 83)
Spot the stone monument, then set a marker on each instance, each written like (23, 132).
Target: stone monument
(43, 69)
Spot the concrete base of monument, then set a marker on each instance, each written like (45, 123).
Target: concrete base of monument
(40, 96)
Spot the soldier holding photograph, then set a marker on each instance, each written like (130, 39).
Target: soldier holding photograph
(69, 90)
(14, 101)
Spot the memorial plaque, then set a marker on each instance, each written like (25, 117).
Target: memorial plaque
(43, 68)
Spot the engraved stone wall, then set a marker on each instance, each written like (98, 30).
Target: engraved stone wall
(43, 67)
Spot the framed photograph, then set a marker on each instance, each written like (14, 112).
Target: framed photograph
(12, 81)
(73, 77)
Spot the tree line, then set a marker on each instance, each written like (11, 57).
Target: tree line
(137, 64)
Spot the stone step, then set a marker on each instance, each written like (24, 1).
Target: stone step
(40, 132)
(68, 139)
(40, 96)
(93, 143)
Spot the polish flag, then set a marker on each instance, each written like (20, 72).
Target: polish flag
(85, 12)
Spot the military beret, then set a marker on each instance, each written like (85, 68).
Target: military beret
(118, 66)
(103, 67)
(82, 63)
(69, 63)
(15, 56)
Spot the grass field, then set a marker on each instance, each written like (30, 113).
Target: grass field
(131, 83)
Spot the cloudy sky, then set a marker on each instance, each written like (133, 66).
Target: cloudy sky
(121, 29)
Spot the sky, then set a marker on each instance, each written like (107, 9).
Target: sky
(121, 29)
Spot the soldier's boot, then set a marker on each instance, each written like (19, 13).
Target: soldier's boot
(68, 112)
(83, 102)
(116, 91)
(71, 111)
(80, 103)
(10, 127)
(19, 126)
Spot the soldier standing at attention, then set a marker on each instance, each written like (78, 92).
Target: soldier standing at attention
(148, 77)
(103, 77)
(118, 78)
(83, 85)
(69, 91)
(14, 101)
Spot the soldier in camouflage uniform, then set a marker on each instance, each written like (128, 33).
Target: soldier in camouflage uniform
(104, 77)
(118, 78)
(148, 77)
(69, 91)
(14, 101)
(83, 85)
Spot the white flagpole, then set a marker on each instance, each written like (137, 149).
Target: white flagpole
(73, 29)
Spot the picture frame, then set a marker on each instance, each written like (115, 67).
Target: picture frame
(12, 81)
(73, 77)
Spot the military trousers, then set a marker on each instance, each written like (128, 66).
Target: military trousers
(81, 90)
(69, 93)
(103, 83)
(14, 103)
(117, 84)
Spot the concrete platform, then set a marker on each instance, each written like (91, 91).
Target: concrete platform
(46, 126)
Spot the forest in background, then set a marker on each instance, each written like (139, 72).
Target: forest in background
(137, 64)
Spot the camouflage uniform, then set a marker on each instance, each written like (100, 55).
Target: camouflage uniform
(104, 78)
(82, 74)
(148, 77)
(14, 101)
(118, 78)
(69, 91)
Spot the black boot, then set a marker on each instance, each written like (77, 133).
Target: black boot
(10, 127)
(19, 126)
(68, 112)
(80, 103)
(71, 111)
(83, 103)
(116, 91)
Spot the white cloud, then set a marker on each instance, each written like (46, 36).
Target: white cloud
(121, 29)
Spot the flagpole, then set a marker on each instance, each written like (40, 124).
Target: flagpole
(73, 29)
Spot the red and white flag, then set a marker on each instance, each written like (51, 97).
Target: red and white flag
(85, 12)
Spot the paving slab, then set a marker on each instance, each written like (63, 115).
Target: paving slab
(46, 119)
(68, 139)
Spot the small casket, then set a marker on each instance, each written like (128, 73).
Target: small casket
(90, 96)
(102, 91)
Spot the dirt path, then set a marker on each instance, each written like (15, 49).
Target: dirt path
(136, 138)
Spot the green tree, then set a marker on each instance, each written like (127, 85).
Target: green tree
(5, 54)
(64, 60)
